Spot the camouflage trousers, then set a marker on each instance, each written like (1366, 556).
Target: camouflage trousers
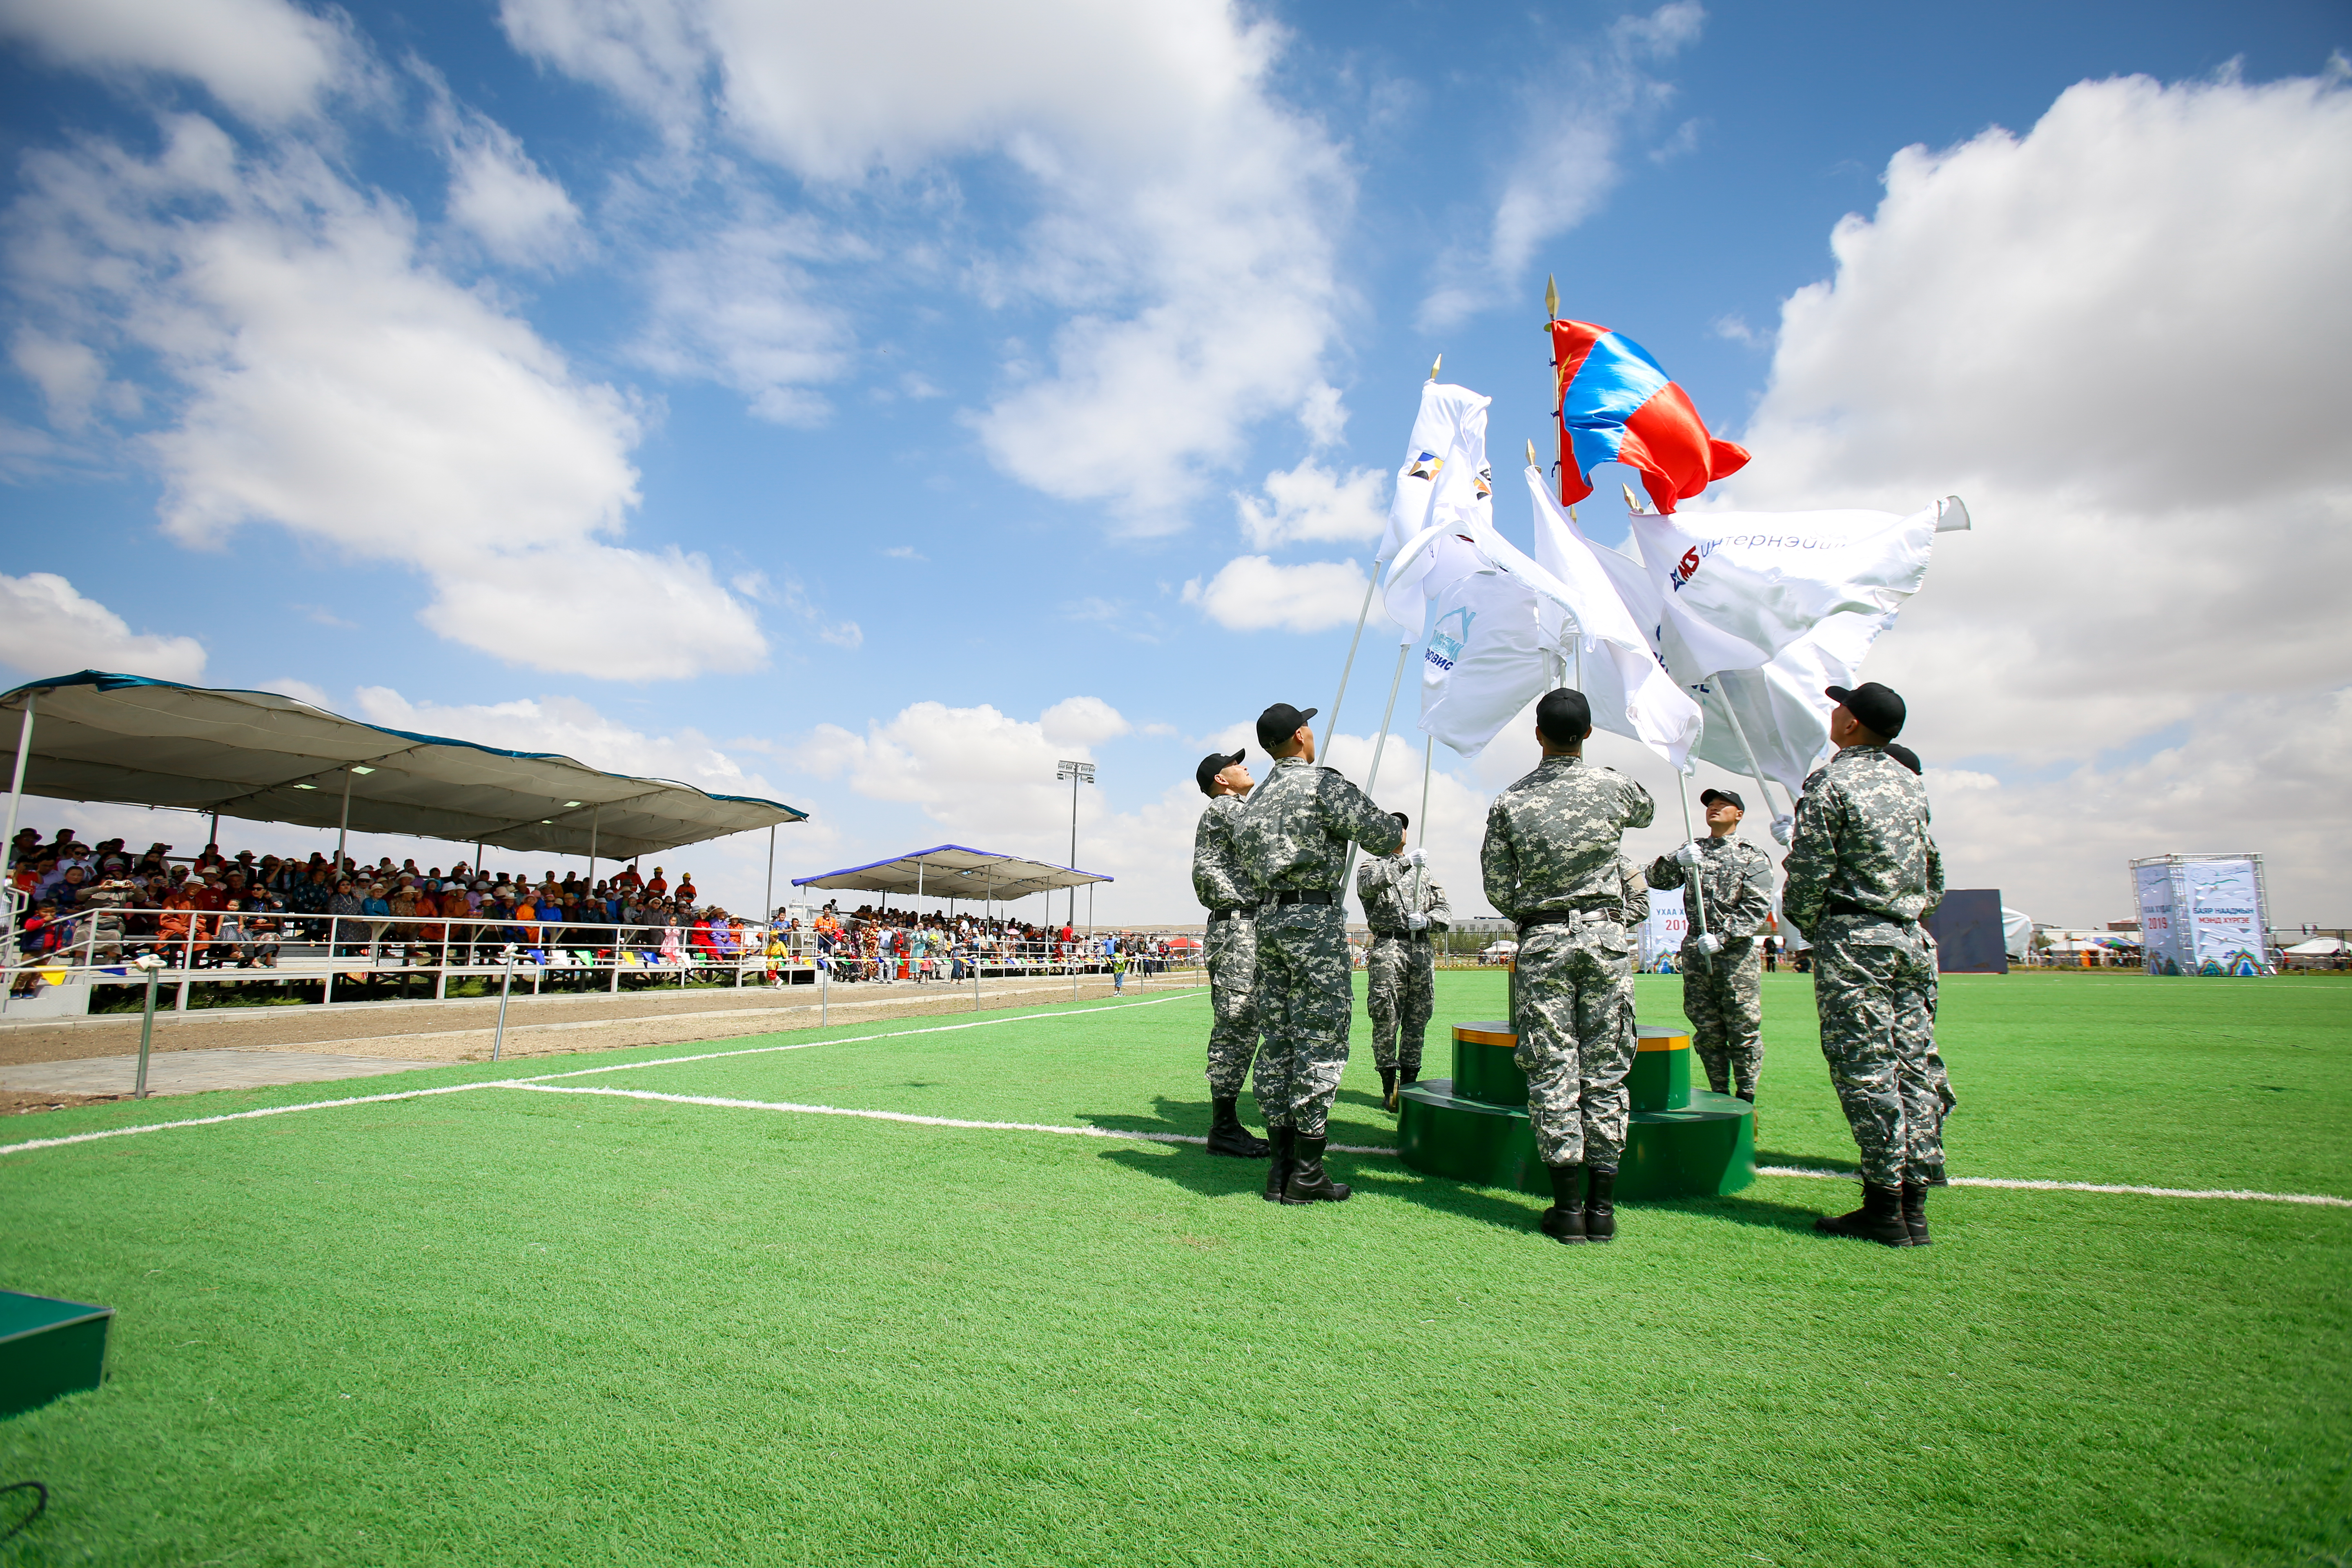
(1305, 1005)
(1572, 1007)
(1401, 978)
(1723, 998)
(1233, 1002)
(1875, 986)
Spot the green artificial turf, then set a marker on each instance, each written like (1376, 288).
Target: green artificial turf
(506, 1327)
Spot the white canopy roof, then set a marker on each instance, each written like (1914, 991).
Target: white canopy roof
(952, 871)
(267, 758)
(2318, 947)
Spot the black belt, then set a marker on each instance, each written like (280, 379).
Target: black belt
(1299, 899)
(1568, 916)
(1848, 906)
(1401, 935)
(1216, 915)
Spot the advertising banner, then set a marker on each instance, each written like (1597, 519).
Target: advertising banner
(2226, 929)
(2159, 931)
(2202, 916)
(1662, 934)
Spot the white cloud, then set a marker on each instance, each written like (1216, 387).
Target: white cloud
(1250, 593)
(2120, 337)
(1184, 218)
(1578, 113)
(69, 374)
(268, 60)
(1312, 503)
(1082, 721)
(335, 385)
(46, 627)
(739, 308)
(520, 212)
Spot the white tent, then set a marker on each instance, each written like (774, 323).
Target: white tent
(2318, 947)
(952, 871)
(2017, 932)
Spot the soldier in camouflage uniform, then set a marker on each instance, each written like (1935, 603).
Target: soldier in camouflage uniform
(1862, 871)
(1232, 948)
(1723, 961)
(1402, 907)
(1551, 864)
(1294, 836)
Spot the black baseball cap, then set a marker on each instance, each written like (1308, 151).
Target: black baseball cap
(1738, 805)
(1904, 755)
(1563, 716)
(1215, 763)
(1879, 709)
(1279, 722)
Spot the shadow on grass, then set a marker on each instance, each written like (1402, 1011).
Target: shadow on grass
(1808, 1162)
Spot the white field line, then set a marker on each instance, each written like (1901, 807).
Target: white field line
(893, 1115)
(33, 1143)
(2318, 1200)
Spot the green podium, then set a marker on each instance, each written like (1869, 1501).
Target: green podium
(1683, 1141)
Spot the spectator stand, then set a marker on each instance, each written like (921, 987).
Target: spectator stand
(260, 756)
(987, 945)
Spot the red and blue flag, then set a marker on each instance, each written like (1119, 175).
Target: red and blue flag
(1616, 406)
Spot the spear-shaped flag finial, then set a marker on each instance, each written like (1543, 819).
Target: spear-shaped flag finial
(1551, 298)
(1434, 365)
(1531, 454)
(1635, 507)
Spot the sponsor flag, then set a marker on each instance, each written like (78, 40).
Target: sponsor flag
(1615, 404)
(1444, 488)
(1736, 588)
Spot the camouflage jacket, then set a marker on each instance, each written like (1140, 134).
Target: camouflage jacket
(1384, 886)
(1552, 837)
(1735, 883)
(1633, 891)
(1218, 879)
(1862, 844)
(1294, 833)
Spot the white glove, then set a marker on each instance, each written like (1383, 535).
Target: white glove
(1784, 828)
(1687, 857)
(1416, 857)
(1417, 920)
(1710, 943)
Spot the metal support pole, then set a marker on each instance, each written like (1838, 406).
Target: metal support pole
(825, 986)
(594, 812)
(768, 899)
(146, 1024)
(1331, 722)
(8, 845)
(506, 985)
(343, 832)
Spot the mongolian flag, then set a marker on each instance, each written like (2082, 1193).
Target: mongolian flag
(1616, 406)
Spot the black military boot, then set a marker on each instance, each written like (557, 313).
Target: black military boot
(1388, 1088)
(1308, 1182)
(1279, 1143)
(1915, 1213)
(1564, 1221)
(1879, 1220)
(1599, 1212)
(1228, 1136)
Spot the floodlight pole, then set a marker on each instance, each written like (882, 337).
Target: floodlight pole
(1077, 774)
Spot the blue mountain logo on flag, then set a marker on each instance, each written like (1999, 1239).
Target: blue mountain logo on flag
(1444, 647)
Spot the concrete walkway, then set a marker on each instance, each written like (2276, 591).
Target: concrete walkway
(193, 1072)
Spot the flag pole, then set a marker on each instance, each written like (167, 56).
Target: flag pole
(1421, 872)
(1697, 894)
(1348, 873)
(1331, 721)
(1755, 769)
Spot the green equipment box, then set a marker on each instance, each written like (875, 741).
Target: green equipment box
(49, 1348)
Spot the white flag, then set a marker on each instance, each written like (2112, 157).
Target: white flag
(1632, 691)
(1738, 587)
(1444, 487)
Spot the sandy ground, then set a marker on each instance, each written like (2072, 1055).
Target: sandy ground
(460, 1031)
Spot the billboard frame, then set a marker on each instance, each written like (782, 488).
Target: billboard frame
(2261, 893)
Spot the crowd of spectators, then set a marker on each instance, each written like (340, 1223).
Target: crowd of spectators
(221, 910)
(870, 944)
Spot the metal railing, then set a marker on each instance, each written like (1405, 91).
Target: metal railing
(97, 948)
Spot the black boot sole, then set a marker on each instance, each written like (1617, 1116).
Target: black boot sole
(1256, 1149)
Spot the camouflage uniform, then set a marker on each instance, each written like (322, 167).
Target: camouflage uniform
(1861, 872)
(1722, 991)
(1292, 836)
(1401, 972)
(1220, 883)
(1551, 846)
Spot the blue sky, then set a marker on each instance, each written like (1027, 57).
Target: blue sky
(868, 409)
